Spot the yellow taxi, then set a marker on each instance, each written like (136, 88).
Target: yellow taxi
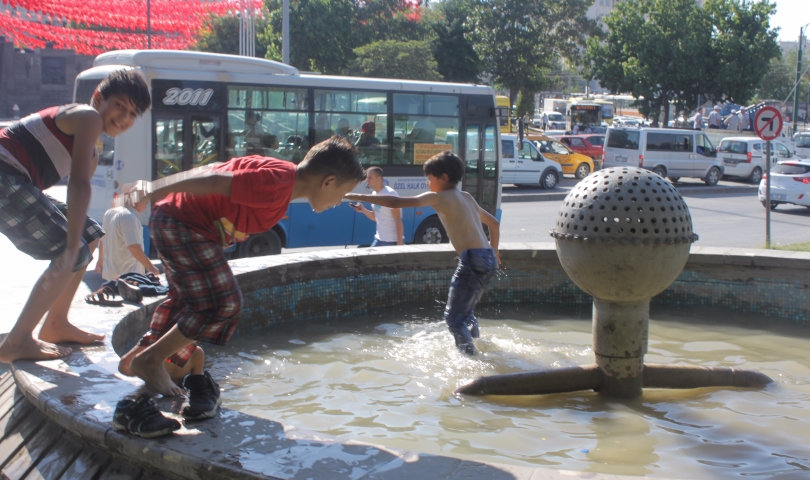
(570, 161)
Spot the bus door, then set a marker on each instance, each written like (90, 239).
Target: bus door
(183, 142)
(481, 155)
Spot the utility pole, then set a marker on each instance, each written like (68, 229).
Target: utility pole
(148, 25)
(285, 32)
(798, 79)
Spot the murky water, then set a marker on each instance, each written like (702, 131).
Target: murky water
(389, 379)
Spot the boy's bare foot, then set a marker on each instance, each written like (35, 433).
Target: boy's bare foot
(125, 365)
(29, 348)
(156, 377)
(66, 332)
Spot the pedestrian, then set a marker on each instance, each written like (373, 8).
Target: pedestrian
(745, 121)
(199, 217)
(462, 219)
(733, 122)
(699, 120)
(389, 220)
(715, 118)
(121, 249)
(545, 121)
(35, 153)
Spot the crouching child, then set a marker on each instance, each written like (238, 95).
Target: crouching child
(197, 220)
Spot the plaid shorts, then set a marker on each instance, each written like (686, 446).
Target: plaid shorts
(204, 300)
(37, 224)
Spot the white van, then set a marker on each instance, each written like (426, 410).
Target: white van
(669, 152)
(523, 164)
(745, 156)
(803, 145)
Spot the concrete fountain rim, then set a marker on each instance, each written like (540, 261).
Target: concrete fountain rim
(34, 378)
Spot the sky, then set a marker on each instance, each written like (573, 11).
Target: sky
(790, 16)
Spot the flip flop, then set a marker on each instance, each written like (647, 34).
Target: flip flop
(103, 297)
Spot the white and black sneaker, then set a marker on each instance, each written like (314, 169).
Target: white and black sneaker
(203, 396)
(140, 416)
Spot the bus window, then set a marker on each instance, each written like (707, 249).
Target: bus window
(205, 146)
(169, 151)
(358, 116)
(422, 126)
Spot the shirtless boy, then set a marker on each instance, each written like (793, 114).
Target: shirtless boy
(35, 153)
(462, 219)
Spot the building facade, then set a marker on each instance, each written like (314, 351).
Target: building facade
(37, 79)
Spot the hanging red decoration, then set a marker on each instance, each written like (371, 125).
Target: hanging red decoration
(96, 26)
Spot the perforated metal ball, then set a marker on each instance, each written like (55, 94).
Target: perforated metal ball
(625, 206)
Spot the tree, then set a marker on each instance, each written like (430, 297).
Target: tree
(657, 50)
(518, 40)
(452, 48)
(322, 34)
(220, 34)
(664, 51)
(392, 59)
(780, 77)
(742, 47)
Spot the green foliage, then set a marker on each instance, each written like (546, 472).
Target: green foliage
(742, 46)
(519, 39)
(394, 59)
(781, 75)
(221, 35)
(451, 44)
(665, 51)
(323, 34)
(525, 104)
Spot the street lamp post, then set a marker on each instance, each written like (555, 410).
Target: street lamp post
(148, 25)
(798, 78)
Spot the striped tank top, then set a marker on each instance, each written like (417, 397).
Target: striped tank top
(36, 147)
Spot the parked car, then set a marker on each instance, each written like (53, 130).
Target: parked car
(523, 164)
(669, 153)
(745, 156)
(571, 162)
(802, 143)
(590, 145)
(790, 183)
(556, 121)
(556, 134)
(537, 120)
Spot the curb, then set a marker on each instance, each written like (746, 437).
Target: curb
(684, 191)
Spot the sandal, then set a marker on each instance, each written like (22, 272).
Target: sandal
(103, 297)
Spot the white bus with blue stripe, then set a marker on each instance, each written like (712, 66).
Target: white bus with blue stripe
(211, 107)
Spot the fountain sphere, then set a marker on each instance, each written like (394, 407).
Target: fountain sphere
(623, 236)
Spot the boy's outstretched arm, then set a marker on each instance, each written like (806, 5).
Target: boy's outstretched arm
(213, 182)
(390, 201)
(494, 230)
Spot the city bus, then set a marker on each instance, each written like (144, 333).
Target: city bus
(584, 112)
(504, 113)
(211, 107)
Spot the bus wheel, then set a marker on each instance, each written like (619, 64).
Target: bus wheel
(430, 231)
(267, 243)
(582, 171)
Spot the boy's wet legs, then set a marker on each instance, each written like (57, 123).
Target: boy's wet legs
(474, 272)
(148, 364)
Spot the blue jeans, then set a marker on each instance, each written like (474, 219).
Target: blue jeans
(149, 284)
(381, 243)
(475, 270)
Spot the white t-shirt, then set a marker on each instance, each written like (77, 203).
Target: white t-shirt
(714, 118)
(386, 225)
(733, 122)
(123, 229)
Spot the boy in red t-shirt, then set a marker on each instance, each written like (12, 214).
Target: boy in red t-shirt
(190, 228)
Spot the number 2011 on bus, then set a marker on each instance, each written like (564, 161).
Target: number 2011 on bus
(188, 96)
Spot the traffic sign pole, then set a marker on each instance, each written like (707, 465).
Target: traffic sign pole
(768, 194)
(768, 126)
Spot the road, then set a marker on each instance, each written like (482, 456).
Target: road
(732, 220)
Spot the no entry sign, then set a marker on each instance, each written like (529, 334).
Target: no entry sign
(768, 123)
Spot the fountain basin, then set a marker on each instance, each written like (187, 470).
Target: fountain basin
(79, 391)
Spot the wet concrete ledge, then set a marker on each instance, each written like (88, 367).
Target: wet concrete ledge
(79, 393)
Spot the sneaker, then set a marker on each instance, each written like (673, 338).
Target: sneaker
(203, 396)
(129, 292)
(140, 416)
